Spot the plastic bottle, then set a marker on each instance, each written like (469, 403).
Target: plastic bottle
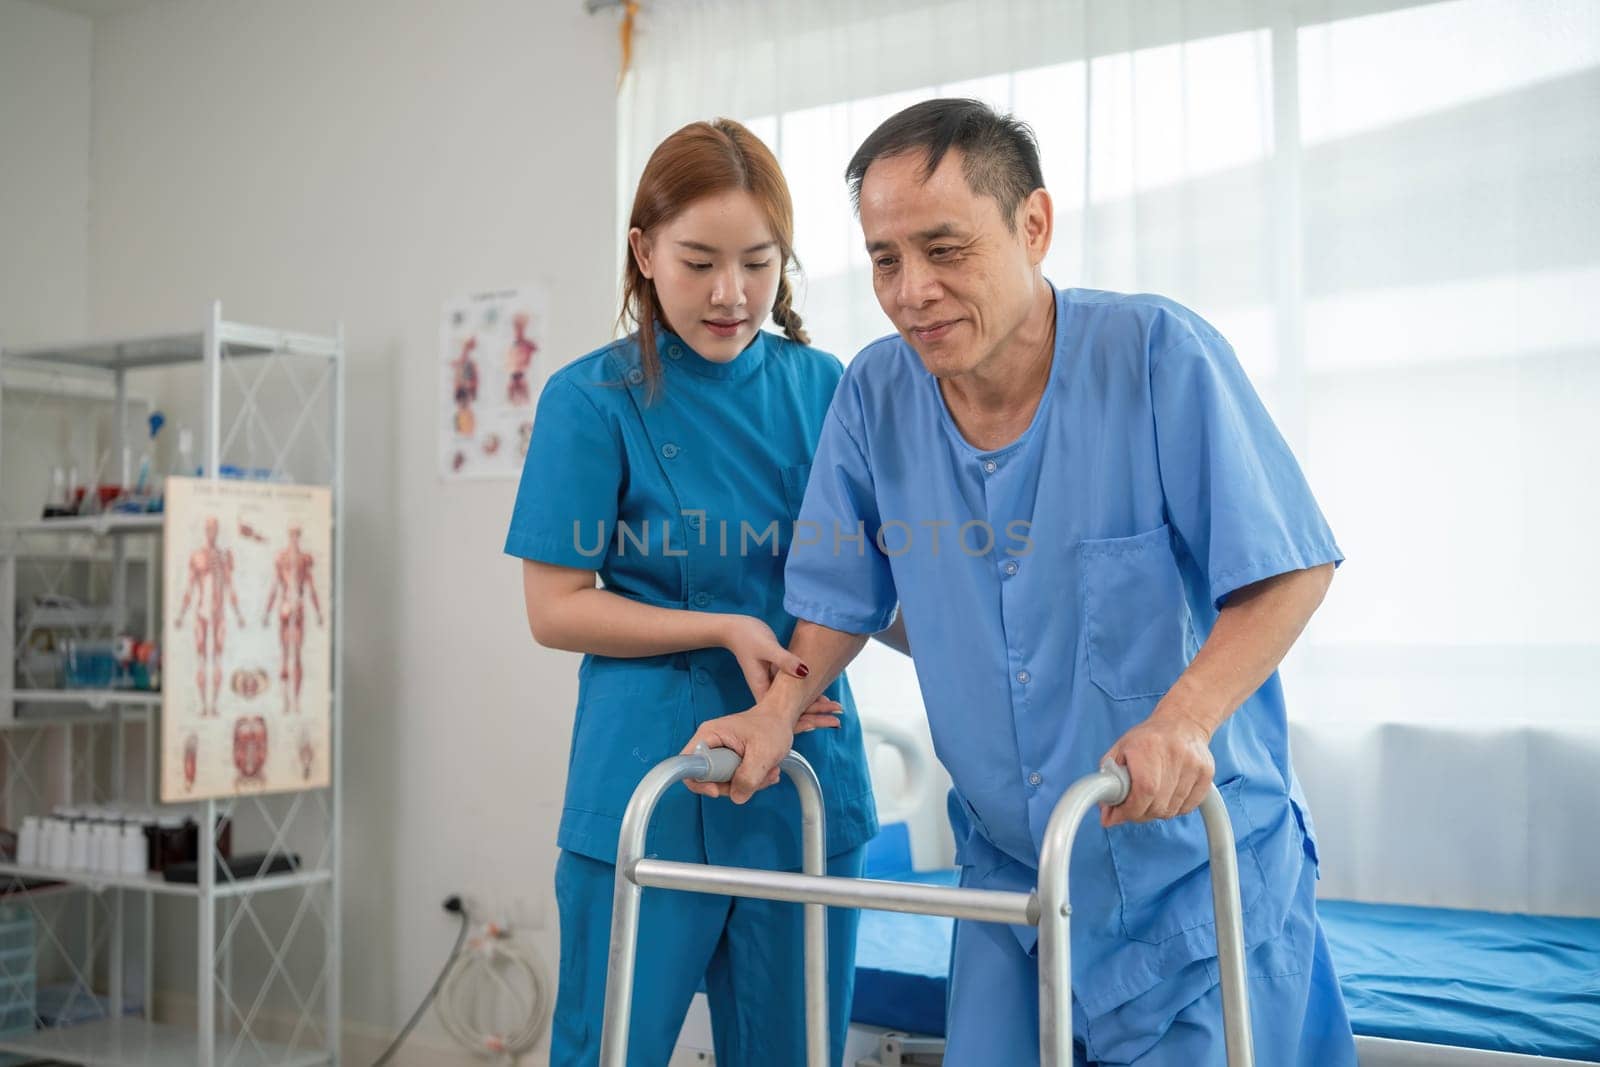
(81, 846)
(54, 842)
(28, 842)
(108, 847)
(134, 848)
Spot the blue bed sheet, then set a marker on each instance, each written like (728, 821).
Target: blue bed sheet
(903, 964)
(1508, 983)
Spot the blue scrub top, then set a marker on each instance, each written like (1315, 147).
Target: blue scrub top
(685, 500)
(1054, 589)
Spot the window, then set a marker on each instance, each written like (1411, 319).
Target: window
(1390, 213)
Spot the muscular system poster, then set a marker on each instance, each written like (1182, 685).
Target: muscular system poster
(490, 374)
(247, 642)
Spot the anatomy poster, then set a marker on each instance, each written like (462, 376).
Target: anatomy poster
(247, 676)
(489, 352)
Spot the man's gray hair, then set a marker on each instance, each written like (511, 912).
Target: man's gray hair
(999, 156)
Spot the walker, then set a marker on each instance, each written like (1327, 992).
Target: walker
(1046, 907)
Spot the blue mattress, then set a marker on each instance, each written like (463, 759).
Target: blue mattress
(1508, 983)
(903, 965)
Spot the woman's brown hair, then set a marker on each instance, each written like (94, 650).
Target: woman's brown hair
(699, 160)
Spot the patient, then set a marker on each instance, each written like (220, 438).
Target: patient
(1103, 549)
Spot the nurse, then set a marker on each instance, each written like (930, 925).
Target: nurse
(1102, 547)
(670, 466)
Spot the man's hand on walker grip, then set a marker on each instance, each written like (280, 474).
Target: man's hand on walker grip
(1168, 757)
(762, 737)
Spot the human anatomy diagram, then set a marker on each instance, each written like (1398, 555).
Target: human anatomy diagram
(210, 585)
(248, 707)
(492, 359)
(292, 587)
(518, 357)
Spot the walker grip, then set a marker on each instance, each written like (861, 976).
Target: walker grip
(720, 764)
(1112, 767)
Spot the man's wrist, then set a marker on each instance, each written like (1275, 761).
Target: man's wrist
(1185, 703)
(784, 701)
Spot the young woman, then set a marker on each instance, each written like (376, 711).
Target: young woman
(671, 465)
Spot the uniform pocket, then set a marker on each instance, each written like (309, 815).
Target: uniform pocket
(1135, 618)
(629, 719)
(1163, 874)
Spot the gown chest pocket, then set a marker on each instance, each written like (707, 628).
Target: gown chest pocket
(1135, 618)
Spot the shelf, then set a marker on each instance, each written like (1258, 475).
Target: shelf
(212, 355)
(287, 880)
(81, 703)
(109, 524)
(96, 881)
(95, 698)
(147, 882)
(74, 707)
(137, 1043)
(125, 353)
(161, 350)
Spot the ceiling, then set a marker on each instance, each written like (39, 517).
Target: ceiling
(98, 9)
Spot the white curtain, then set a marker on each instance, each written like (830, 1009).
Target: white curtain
(1393, 211)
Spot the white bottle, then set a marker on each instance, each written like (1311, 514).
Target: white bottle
(68, 818)
(80, 846)
(57, 836)
(28, 842)
(133, 848)
(47, 840)
(108, 848)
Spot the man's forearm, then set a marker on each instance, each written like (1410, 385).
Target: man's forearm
(1254, 631)
(827, 652)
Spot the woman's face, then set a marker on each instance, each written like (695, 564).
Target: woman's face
(716, 268)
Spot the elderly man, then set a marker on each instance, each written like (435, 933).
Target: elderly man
(1102, 548)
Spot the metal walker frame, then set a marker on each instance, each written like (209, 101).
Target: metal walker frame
(1047, 907)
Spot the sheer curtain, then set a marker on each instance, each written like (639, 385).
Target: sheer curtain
(1391, 209)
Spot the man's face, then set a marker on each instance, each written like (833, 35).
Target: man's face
(954, 279)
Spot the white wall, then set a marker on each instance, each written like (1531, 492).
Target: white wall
(44, 172)
(308, 162)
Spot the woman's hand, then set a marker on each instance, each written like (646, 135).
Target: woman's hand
(758, 653)
(760, 657)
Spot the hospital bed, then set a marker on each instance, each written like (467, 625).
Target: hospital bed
(1426, 987)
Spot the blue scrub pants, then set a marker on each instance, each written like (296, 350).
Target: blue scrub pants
(1297, 1012)
(749, 952)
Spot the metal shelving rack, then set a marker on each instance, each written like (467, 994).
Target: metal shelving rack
(240, 367)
